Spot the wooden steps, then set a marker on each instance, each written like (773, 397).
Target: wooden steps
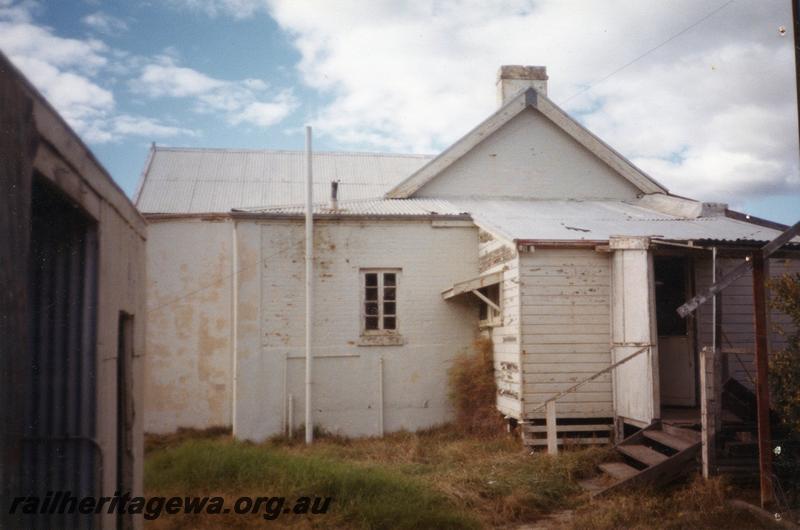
(668, 440)
(654, 455)
(643, 454)
(618, 470)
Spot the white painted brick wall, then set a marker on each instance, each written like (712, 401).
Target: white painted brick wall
(188, 348)
(346, 392)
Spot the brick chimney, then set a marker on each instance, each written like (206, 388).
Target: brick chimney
(512, 79)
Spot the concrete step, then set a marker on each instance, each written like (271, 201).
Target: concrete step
(597, 485)
(679, 432)
(643, 454)
(619, 470)
(669, 440)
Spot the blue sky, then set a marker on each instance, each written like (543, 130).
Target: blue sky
(711, 113)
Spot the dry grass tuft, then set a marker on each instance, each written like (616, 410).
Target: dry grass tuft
(433, 478)
(700, 504)
(153, 442)
(473, 390)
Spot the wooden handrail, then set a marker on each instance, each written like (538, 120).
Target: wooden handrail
(591, 378)
(550, 404)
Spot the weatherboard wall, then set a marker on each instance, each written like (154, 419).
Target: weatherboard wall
(565, 312)
(496, 254)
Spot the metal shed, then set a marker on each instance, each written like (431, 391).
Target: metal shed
(72, 281)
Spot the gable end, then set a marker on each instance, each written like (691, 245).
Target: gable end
(528, 98)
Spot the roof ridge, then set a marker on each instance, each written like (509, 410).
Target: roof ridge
(380, 198)
(288, 151)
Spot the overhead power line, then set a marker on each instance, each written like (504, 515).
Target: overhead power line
(651, 50)
(222, 278)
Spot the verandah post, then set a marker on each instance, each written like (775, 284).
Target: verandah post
(710, 407)
(550, 420)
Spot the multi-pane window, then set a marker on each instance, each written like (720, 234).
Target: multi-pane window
(379, 307)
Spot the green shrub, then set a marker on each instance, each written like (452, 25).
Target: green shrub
(784, 376)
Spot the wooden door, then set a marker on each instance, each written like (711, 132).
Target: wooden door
(636, 397)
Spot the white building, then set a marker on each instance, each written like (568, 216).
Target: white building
(573, 246)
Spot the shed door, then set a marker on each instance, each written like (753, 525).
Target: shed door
(633, 327)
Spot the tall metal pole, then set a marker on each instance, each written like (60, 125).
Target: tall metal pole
(796, 24)
(309, 282)
(762, 383)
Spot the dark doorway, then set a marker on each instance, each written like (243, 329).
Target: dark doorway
(59, 449)
(125, 413)
(677, 359)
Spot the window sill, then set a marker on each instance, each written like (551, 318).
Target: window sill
(387, 339)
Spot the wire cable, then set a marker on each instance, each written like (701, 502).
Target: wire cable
(223, 278)
(648, 52)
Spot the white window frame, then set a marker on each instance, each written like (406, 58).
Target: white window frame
(494, 316)
(363, 301)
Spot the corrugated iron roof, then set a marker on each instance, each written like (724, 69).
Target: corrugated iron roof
(379, 207)
(186, 181)
(598, 220)
(554, 220)
(179, 180)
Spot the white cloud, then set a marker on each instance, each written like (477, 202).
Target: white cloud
(264, 114)
(167, 79)
(69, 73)
(126, 125)
(709, 114)
(61, 68)
(77, 98)
(11, 11)
(245, 101)
(25, 39)
(105, 23)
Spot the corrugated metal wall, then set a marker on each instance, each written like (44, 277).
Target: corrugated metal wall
(59, 449)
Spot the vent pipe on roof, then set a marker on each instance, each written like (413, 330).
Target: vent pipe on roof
(513, 79)
(334, 194)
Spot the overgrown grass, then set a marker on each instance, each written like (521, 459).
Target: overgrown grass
(363, 496)
(700, 504)
(440, 478)
(153, 442)
(433, 479)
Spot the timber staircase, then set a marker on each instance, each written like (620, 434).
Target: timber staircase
(737, 445)
(655, 455)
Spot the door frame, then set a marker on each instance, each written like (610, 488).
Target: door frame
(692, 340)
